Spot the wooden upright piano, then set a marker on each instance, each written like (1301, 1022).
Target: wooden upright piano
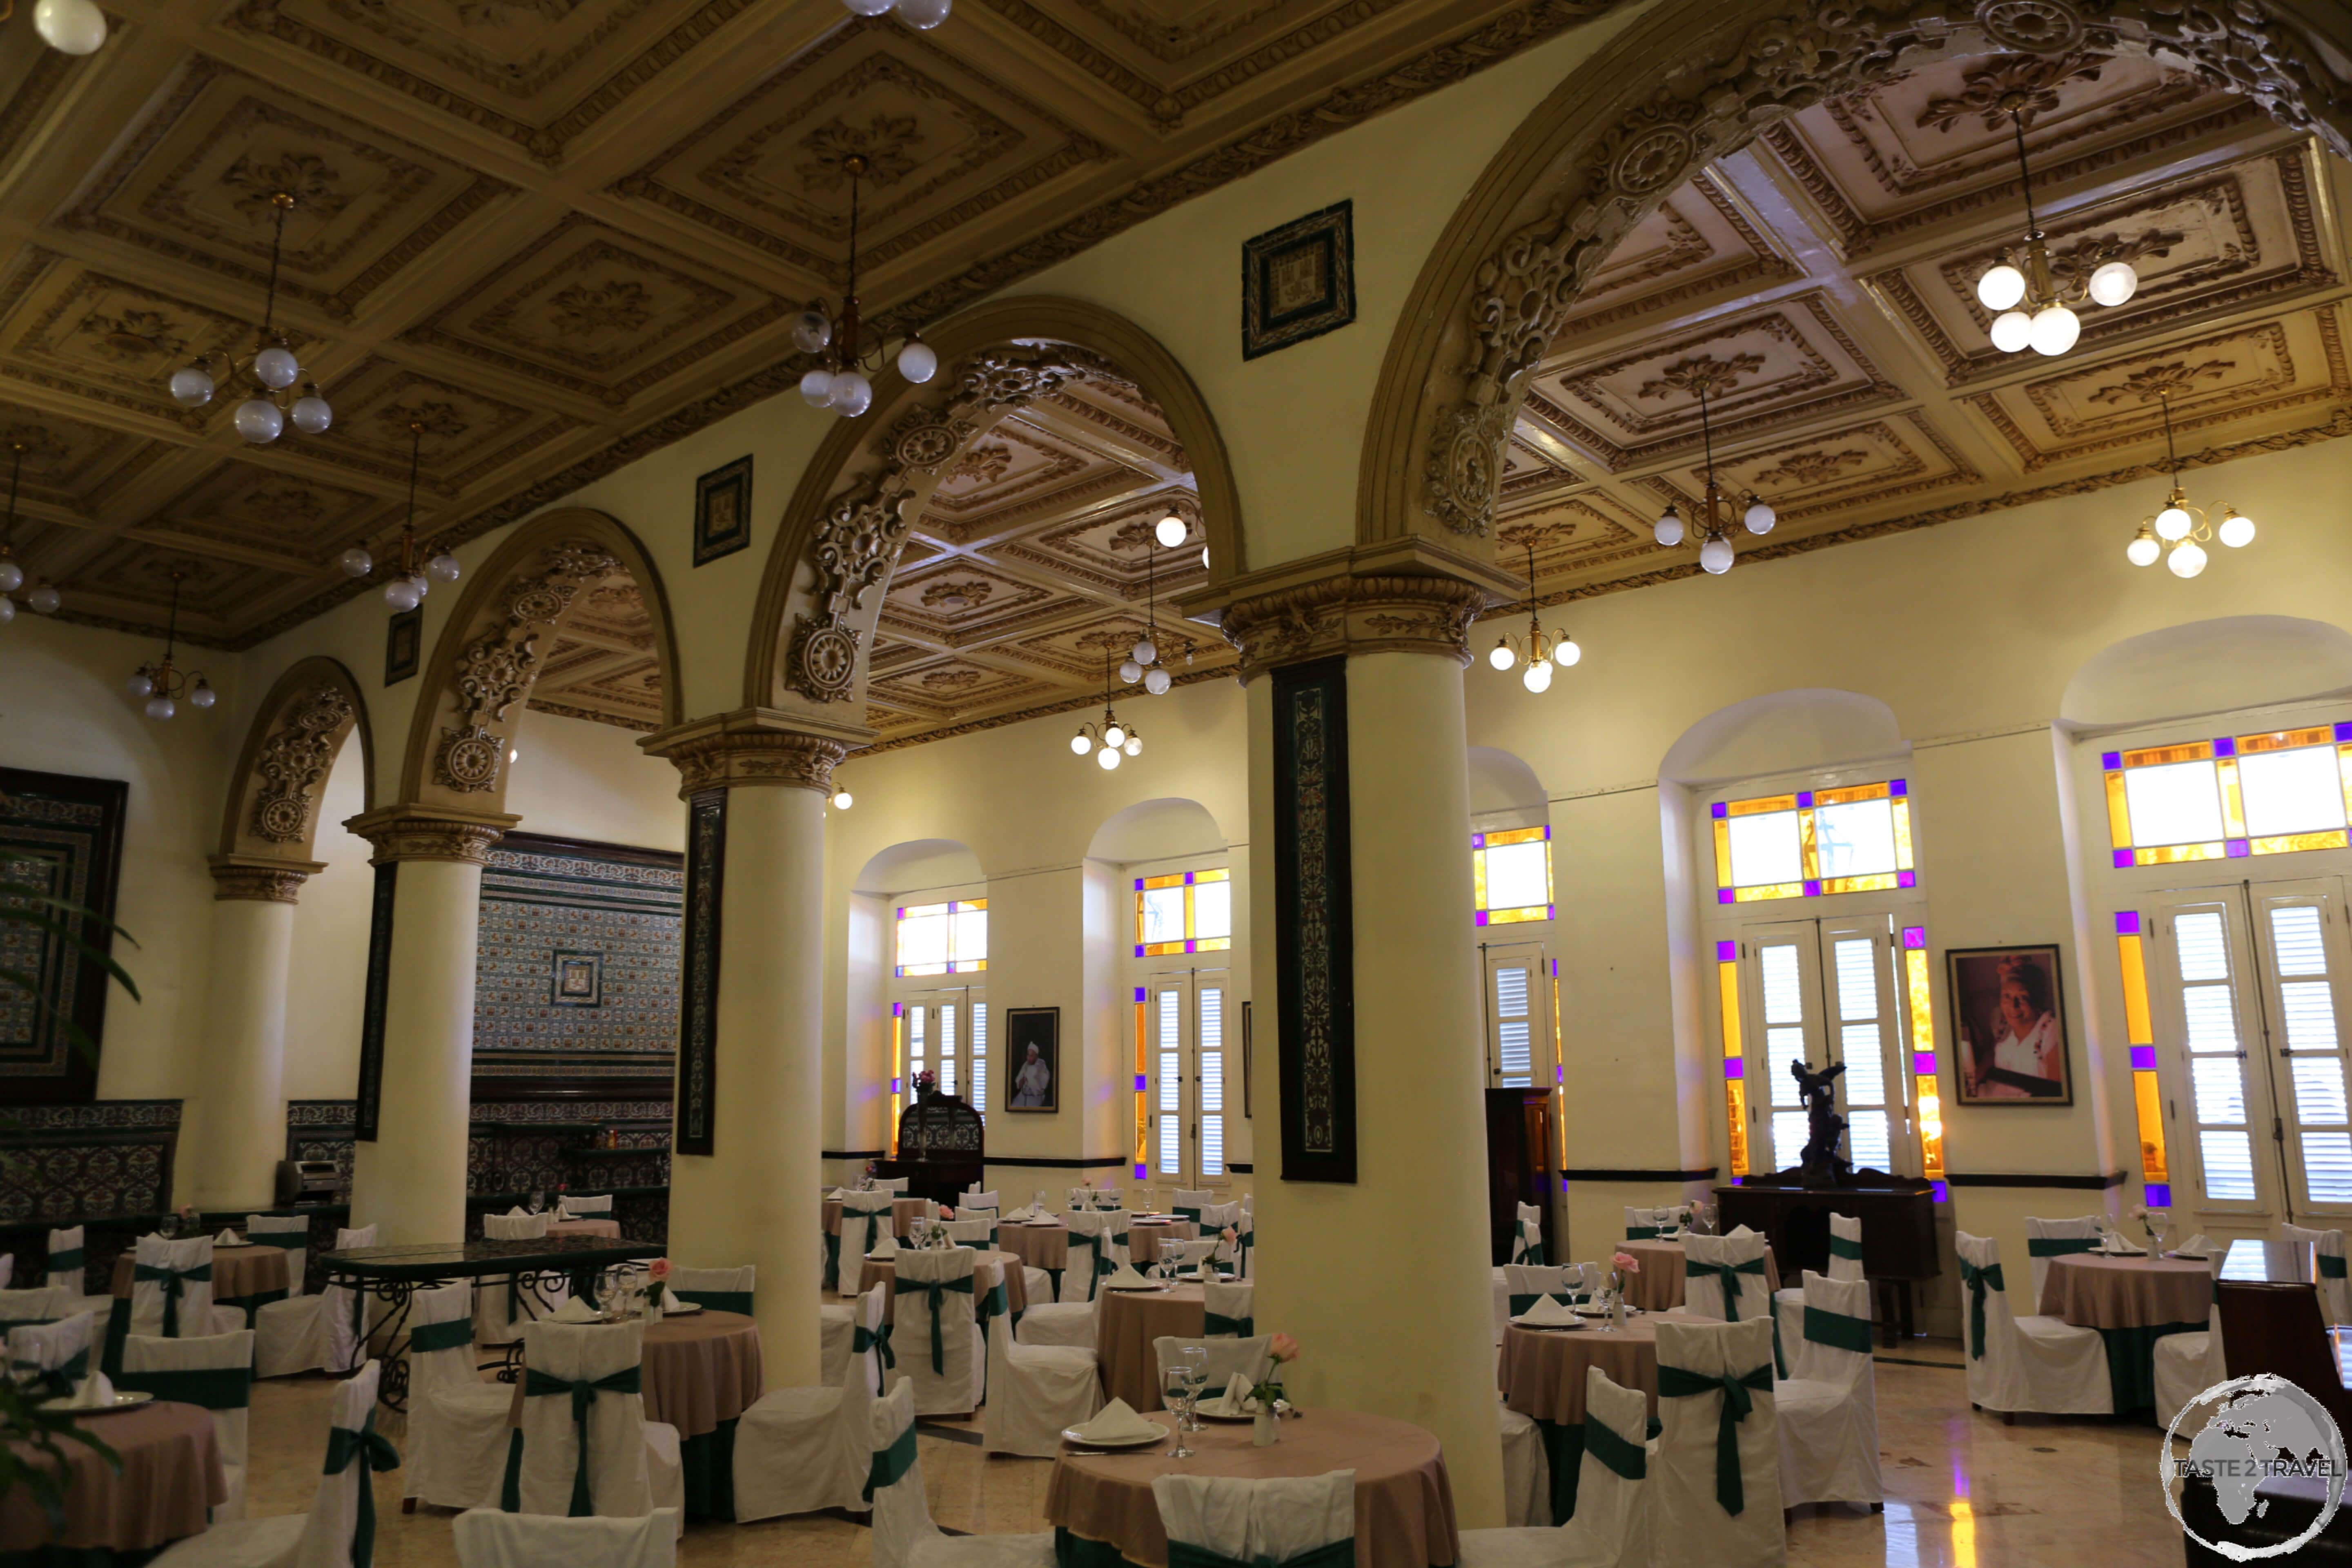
(942, 1148)
(1899, 1231)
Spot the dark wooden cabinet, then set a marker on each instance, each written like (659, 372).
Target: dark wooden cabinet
(1519, 1161)
(942, 1147)
(1899, 1231)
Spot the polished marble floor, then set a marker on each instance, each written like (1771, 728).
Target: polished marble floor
(1962, 1488)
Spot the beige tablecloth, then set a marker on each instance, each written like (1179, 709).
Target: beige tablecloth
(1404, 1504)
(1658, 1287)
(2126, 1292)
(1542, 1373)
(1143, 1237)
(986, 1269)
(236, 1271)
(904, 1212)
(1038, 1245)
(1126, 1322)
(701, 1370)
(170, 1476)
(604, 1227)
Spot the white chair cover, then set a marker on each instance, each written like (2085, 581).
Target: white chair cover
(2329, 1266)
(488, 1539)
(978, 1233)
(172, 1286)
(578, 1206)
(2024, 1362)
(1692, 1521)
(457, 1430)
(904, 1534)
(500, 1313)
(947, 1383)
(891, 1184)
(1266, 1522)
(42, 1304)
(632, 1463)
(837, 1325)
(65, 1270)
(1188, 1256)
(2049, 1238)
(720, 1290)
(1845, 1247)
(1611, 1527)
(1188, 1204)
(978, 1200)
(280, 1231)
(1724, 1277)
(800, 1450)
(346, 1318)
(864, 1221)
(1829, 1412)
(214, 1372)
(1524, 1282)
(283, 1331)
(1033, 1392)
(1644, 1224)
(68, 1347)
(1093, 1235)
(2189, 1364)
(1226, 1357)
(1231, 1309)
(324, 1537)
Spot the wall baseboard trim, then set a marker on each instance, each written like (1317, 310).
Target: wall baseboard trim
(1241, 1170)
(852, 1153)
(2098, 1183)
(1614, 1175)
(1105, 1163)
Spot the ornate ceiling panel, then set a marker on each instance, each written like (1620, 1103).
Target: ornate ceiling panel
(602, 666)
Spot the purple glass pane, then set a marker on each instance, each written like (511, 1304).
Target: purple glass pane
(2143, 1058)
(1805, 798)
(1726, 896)
(1735, 1066)
(2343, 733)
(1906, 879)
(1477, 841)
(2110, 761)
(1141, 1174)
(1721, 808)
(1480, 916)
(1138, 884)
(1923, 1064)
(1726, 953)
(2160, 1194)
(897, 1009)
(1138, 1083)
(1812, 889)
(2237, 849)
(1898, 788)
(895, 1088)
(1188, 879)
(2126, 922)
(1914, 937)
(1138, 993)
(1943, 1193)
(1139, 950)
(2122, 859)
(2224, 746)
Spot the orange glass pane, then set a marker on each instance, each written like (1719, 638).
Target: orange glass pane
(1851, 793)
(1734, 1098)
(1723, 847)
(1916, 998)
(1768, 890)
(2118, 814)
(1516, 835)
(2137, 1030)
(1809, 853)
(2190, 752)
(2233, 803)
(1761, 804)
(2174, 853)
(1877, 882)
(1931, 1127)
(2153, 1165)
(1902, 810)
(2286, 739)
(1726, 983)
(1510, 917)
(2288, 843)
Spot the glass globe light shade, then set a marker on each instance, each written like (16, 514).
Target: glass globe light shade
(923, 15)
(817, 387)
(1715, 557)
(2011, 331)
(2186, 559)
(276, 367)
(191, 386)
(1113, 737)
(1565, 653)
(70, 26)
(1669, 527)
(402, 593)
(12, 576)
(2236, 530)
(2113, 283)
(139, 685)
(312, 414)
(1107, 758)
(2055, 330)
(1760, 517)
(918, 361)
(44, 599)
(1537, 677)
(853, 395)
(2001, 289)
(444, 568)
(1156, 679)
(1134, 747)
(1082, 743)
(258, 421)
(1501, 656)
(161, 708)
(843, 800)
(1145, 653)
(869, 7)
(202, 695)
(356, 562)
(2143, 550)
(1205, 558)
(2172, 523)
(810, 331)
(1130, 672)
(1171, 530)
(7, 609)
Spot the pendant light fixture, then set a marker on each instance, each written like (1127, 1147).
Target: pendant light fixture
(1715, 553)
(406, 586)
(1537, 651)
(920, 14)
(1111, 739)
(2183, 526)
(69, 27)
(262, 417)
(43, 599)
(1143, 659)
(2032, 308)
(841, 381)
(161, 683)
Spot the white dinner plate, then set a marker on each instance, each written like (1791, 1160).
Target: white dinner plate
(683, 1309)
(124, 1399)
(1523, 1323)
(1603, 1311)
(1070, 1435)
(1215, 1410)
(1139, 1289)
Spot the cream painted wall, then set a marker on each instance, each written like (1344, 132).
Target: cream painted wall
(574, 778)
(328, 979)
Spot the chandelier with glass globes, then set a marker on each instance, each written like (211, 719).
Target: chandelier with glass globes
(1537, 651)
(262, 417)
(2181, 531)
(162, 684)
(920, 14)
(1109, 741)
(842, 380)
(69, 27)
(43, 599)
(2033, 309)
(1142, 663)
(1713, 523)
(405, 587)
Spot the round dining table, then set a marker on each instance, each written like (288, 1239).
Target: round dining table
(247, 1276)
(1126, 1322)
(170, 1478)
(1144, 1236)
(904, 1213)
(2133, 1302)
(1404, 1503)
(596, 1226)
(1542, 1376)
(988, 1270)
(1657, 1287)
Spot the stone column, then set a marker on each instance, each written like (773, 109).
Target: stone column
(411, 1179)
(240, 1106)
(1400, 618)
(755, 1082)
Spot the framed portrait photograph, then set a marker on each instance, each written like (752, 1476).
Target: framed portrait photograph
(722, 511)
(1032, 1039)
(2008, 1025)
(404, 645)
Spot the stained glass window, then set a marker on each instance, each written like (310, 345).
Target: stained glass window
(1184, 911)
(1814, 842)
(1511, 872)
(943, 938)
(2232, 796)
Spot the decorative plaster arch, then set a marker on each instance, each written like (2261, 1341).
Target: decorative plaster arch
(489, 653)
(1805, 727)
(871, 478)
(1693, 80)
(271, 821)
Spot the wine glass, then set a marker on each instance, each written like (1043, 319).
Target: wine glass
(168, 1226)
(1194, 1361)
(538, 1202)
(1175, 1380)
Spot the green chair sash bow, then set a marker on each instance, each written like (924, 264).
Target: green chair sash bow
(66, 1262)
(344, 1446)
(1631, 1461)
(873, 1218)
(891, 1465)
(1218, 1326)
(1837, 1331)
(455, 1334)
(1333, 1555)
(213, 1387)
(1728, 1275)
(56, 1382)
(1054, 1278)
(1841, 1248)
(832, 1260)
(2331, 1267)
(286, 1241)
(2060, 1245)
(1181, 1212)
(1738, 1391)
(1641, 1233)
(1980, 1281)
(935, 1291)
(584, 1392)
(718, 1300)
(173, 1281)
(879, 1341)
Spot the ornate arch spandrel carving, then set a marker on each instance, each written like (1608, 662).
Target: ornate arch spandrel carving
(298, 731)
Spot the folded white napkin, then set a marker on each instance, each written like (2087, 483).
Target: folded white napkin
(1547, 1310)
(1126, 1279)
(1236, 1398)
(2120, 1245)
(96, 1393)
(517, 1211)
(2198, 1246)
(1117, 1423)
(670, 1303)
(887, 1246)
(574, 1310)
(227, 1238)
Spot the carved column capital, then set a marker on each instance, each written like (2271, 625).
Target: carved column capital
(258, 877)
(418, 833)
(1404, 597)
(756, 746)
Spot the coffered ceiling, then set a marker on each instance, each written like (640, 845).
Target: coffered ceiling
(561, 233)
(1823, 283)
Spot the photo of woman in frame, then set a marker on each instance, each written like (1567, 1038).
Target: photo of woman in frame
(2009, 1026)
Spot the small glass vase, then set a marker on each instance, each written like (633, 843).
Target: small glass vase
(1617, 1309)
(1264, 1429)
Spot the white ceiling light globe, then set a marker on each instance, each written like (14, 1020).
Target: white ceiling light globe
(7, 609)
(1566, 654)
(444, 568)
(918, 361)
(1501, 656)
(258, 421)
(810, 332)
(2188, 559)
(1669, 527)
(1134, 747)
(1113, 737)
(12, 576)
(1156, 679)
(1169, 531)
(1715, 557)
(2237, 531)
(139, 685)
(1130, 672)
(161, 708)
(923, 15)
(1145, 652)
(1760, 518)
(1082, 743)
(1537, 677)
(402, 594)
(2011, 331)
(356, 562)
(853, 395)
(817, 387)
(44, 599)
(2113, 283)
(1107, 758)
(276, 367)
(869, 7)
(2002, 288)
(2055, 330)
(1205, 558)
(203, 696)
(2172, 523)
(843, 800)
(312, 414)
(2143, 550)
(71, 26)
(191, 386)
